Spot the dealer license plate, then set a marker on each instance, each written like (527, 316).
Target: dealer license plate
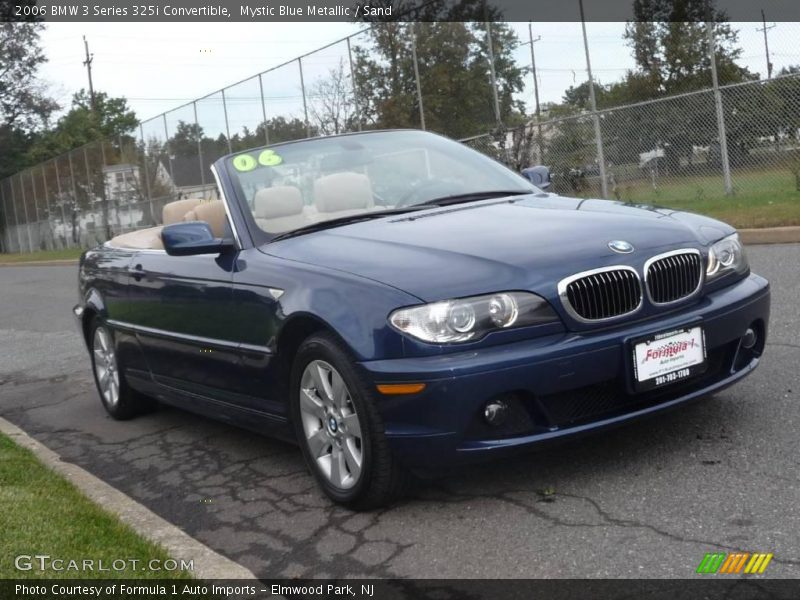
(669, 357)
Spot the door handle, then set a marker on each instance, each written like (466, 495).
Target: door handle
(137, 272)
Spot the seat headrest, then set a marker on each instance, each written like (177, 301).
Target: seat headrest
(212, 213)
(173, 212)
(343, 191)
(278, 201)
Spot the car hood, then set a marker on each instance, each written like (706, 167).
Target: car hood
(528, 243)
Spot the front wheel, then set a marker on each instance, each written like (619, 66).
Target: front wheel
(339, 428)
(119, 400)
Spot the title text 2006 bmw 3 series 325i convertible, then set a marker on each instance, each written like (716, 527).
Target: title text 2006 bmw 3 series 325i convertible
(394, 300)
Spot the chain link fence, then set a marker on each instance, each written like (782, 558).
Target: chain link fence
(668, 148)
(654, 151)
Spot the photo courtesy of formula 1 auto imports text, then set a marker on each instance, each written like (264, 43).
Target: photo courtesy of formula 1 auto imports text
(399, 299)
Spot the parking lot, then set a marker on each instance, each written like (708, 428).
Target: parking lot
(646, 500)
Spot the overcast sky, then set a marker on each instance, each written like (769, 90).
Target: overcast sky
(161, 66)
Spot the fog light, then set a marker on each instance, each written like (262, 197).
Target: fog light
(495, 412)
(749, 339)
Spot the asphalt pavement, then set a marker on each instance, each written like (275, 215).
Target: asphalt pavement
(646, 500)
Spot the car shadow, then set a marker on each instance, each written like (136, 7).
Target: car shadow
(658, 442)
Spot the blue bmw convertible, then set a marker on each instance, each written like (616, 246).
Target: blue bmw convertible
(394, 300)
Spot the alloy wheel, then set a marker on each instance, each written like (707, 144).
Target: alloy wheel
(330, 424)
(105, 366)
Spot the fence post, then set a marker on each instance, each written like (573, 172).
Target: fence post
(47, 202)
(227, 126)
(6, 230)
(416, 74)
(353, 83)
(36, 210)
(25, 209)
(124, 161)
(598, 134)
(723, 136)
(200, 148)
(14, 207)
(305, 103)
(167, 146)
(67, 239)
(263, 109)
(89, 188)
(147, 175)
(75, 217)
(104, 195)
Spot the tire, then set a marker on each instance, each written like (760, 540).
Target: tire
(347, 420)
(118, 398)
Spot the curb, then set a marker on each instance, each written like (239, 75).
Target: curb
(771, 235)
(208, 564)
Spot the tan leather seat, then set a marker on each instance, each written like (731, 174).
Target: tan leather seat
(173, 212)
(150, 238)
(280, 208)
(342, 195)
(143, 239)
(212, 213)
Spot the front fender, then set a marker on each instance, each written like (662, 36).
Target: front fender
(276, 291)
(356, 311)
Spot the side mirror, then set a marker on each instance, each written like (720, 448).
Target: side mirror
(538, 176)
(192, 237)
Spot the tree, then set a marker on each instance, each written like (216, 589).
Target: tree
(577, 98)
(22, 100)
(452, 63)
(669, 42)
(281, 129)
(183, 142)
(24, 106)
(331, 102)
(670, 45)
(86, 122)
(109, 118)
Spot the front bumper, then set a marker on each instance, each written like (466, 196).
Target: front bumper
(559, 385)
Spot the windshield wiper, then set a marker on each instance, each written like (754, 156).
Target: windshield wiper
(472, 197)
(365, 216)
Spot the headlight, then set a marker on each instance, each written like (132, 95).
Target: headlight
(726, 256)
(471, 318)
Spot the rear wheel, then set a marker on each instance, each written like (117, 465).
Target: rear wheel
(339, 428)
(119, 400)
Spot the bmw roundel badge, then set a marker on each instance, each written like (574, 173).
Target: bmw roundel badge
(620, 246)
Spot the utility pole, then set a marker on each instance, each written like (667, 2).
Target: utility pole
(765, 29)
(532, 41)
(492, 74)
(533, 66)
(598, 134)
(88, 64)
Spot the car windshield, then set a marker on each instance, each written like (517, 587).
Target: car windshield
(327, 181)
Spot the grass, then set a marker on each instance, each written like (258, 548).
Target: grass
(761, 198)
(42, 513)
(64, 254)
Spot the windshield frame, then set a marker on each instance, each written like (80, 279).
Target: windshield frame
(259, 237)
